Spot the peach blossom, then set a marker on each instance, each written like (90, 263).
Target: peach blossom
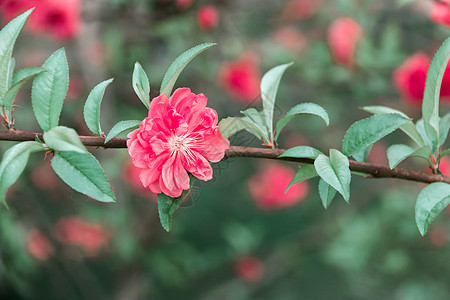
(343, 37)
(250, 269)
(38, 245)
(208, 17)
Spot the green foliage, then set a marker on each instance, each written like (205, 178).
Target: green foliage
(301, 152)
(398, 153)
(444, 127)
(430, 202)
(256, 118)
(141, 84)
(83, 173)
(12, 64)
(231, 125)
(8, 36)
(167, 207)
(121, 127)
(362, 156)
(178, 66)
(50, 89)
(304, 173)
(92, 107)
(61, 138)
(335, 171)
(299, 109)
(13, 163)
(326, 193)
(366, 132)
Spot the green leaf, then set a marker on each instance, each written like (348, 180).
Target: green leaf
(335, 171)
(167, 207)
(443, 153)
(421, 130)
(83, 173)
(269, 88)
(13, 163)
(408, 128)
(301, 152)
(430, 202)
(8, 37)
(256, 118)
(366, 132)
(121, 127)
(231, 125)
(303, 108)
(304, 173)
(430, 103)
(444, 127)
(398, 153)
(12, 64)
(326, 193)
(362, 156)
(141, 84)
(92, 107)
(20, 79)
(178, 65)
(50, 89)
(63, 138)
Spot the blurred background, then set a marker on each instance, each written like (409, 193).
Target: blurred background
(238, 236)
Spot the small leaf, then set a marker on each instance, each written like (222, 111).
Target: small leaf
(13, 163)
(398, 153)
(141, 84)
(421, 130)
(12, 64)
(444, 127)
(167, 207)
(178, 65)
(269, 88)
(408, 128)
(8, 37)
(121, 127)
(335, 171)
(443, 153)
(63, 138)
(366, 132)
(83, 173)
(256, 118)
(362, 156)
(50, 89)
(326, 193)
(304, 173)
(301, 152)
(430, 202)
(92, 107)
(231, 125)
(430, 103)
(302, 108)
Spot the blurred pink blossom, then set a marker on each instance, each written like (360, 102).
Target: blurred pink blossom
(290, 38)
(43, 177)
(268, 187)
(444, 165)
(440, 13)
(250, 269)
(296, 10)
(208, 17)
(38, 245)
(183, 4)
(9, 9)
(131, 175)
(343, 37)
(241, 78)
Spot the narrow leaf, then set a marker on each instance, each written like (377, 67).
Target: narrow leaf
(8, 37)
(303, 108)
(83, 173)
(301, 152)
(92, 107)
(141, 84)
(13, 163)
(269, 88)
(12, 64)
(63, 138)
(421, 130)
(304, 173)
(444, 127)
(443, 153)
(398, 153)
(366, 132)
(326, 193)
(121, 127)
(256, 118)
(50, 89)
(167, 207)
(335, 171)
(178, 65)
(231, 125)
(430, 202)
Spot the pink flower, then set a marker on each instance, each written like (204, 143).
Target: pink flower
(76, 231)
(183, 4)
(250, 269)
(38, 245)
(343, 37)
(296, 10)
(444, 165)
(180, 135)
(410, 78)
(268, 186)
(290, 38)
(440, 13)
(131, 175)
(241, 79)
(9, 9)
(208, 17)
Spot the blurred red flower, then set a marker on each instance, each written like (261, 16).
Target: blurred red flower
(440, 13)
(343, 37)
(290, 38)
(43, 177)
(444, 165)
(183, 4)
(88, 236)
(410, 78)
(269, 185)
(208, 17)
(250, 269)
(9, 9)
(38, 245)
(131, 175)
(296, 10)
(241, 79)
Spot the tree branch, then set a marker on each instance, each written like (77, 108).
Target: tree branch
(373, 170)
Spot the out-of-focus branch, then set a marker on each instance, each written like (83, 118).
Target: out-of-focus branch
(372, 170)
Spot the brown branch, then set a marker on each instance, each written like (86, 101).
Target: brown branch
(373, 170)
